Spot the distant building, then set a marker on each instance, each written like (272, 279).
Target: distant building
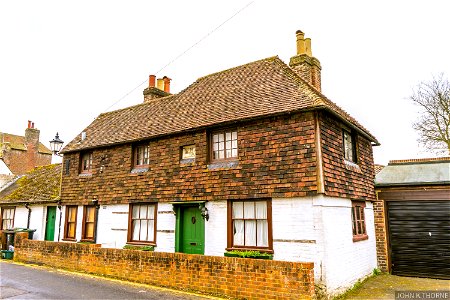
(21, 154)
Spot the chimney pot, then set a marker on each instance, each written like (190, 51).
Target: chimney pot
(29, 124)
(301, 45)
(160, 84)
(308, 47)
(32, 125)
(151, 80)
(166, 84)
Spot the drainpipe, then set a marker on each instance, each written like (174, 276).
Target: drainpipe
(27, 206)
(97, 206)
(60, 217)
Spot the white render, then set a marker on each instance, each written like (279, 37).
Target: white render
(38, 217)
(314, 229)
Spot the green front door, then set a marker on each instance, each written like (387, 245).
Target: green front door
(191, 233)
(50, 223)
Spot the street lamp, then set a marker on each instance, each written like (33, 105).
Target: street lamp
(56, 144)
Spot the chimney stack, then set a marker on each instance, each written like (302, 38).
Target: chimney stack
(304, 64)
(162, 88)
(32, 144)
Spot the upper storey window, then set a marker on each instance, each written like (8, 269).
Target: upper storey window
(349, 142)
(141, 155)
(224, 145)
(86, 163)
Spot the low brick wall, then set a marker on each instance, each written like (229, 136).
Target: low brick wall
(233, 277)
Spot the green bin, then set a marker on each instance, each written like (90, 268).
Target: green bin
(30, 231)
(6, 254)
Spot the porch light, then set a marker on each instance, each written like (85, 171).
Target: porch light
(203, 211)
(56, 144)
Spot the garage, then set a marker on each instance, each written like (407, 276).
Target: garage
(419, 238)
(412, 219)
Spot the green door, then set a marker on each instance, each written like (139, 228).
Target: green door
(50, 223)
(192, 231)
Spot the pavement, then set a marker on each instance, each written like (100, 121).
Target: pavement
(384, 286)
(21, 281)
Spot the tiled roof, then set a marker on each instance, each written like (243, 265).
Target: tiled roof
(378, 168)
(42, 184)
(17, 142)
(261, 88)
(415, 172)
(419, 160)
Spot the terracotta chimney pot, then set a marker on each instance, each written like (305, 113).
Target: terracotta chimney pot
(151, 80)
(160, 84)
(166, 84)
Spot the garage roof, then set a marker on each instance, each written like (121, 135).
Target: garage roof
(415, 172)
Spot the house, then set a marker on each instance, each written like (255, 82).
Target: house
(30, 201)
(412, 217)
(250, 158)
(22, 153)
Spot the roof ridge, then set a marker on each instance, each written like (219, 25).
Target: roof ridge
(420, 160)
(268, 59)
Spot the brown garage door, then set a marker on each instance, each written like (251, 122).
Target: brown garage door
(419, 237)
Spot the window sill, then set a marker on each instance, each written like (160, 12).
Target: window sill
(138, 170)
(69, 240)
(223, 165)
(262, 250)
(349, 165)
(85, 174)
(141, 243)
(187, 161)
(362, 237)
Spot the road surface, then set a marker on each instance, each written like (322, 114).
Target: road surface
(19, 281)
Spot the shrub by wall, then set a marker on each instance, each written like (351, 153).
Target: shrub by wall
(240, 278)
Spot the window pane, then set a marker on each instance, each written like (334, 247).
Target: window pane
(143, 212)
(71, 230)
(90, 214)
(135, 214)
(221, 154)
(151, 230)
(144, 230)
(238, 210)
(228, 145)
(250, 233)
(262, 233)
(249, 210)
(238, 233)
(221, 137)
(151, 212)
(215, 138)
(234, 135)
(228, 153)
(89, 230)
(234, 144)
(261, 209)
(228, 136)
(136, 230)
(221, 146)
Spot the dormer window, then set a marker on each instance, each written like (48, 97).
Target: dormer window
(141, 155)
(349, 143)
(86, 163)
(224, 145)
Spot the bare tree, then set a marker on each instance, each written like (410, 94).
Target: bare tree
(433, 125)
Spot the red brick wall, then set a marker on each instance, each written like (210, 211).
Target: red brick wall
(276, 159)
(381, 234)
(232, 277)
(20, 162)
(342, 180)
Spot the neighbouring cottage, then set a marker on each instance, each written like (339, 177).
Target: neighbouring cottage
(31, 201)
(250, 158)
(412, 217)
(21, 154)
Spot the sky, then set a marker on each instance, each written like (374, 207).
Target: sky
(62, 63)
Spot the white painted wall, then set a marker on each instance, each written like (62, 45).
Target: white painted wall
(309, 229)
(216, 228)
(112, 225)
(37, 220)
(344, 261)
